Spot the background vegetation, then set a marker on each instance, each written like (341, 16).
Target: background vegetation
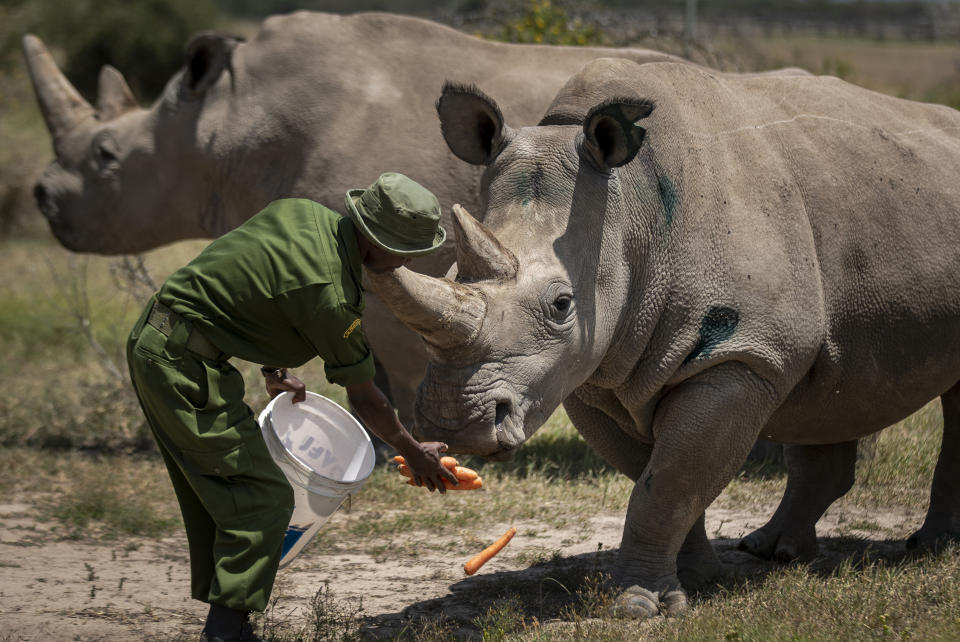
(73, 442)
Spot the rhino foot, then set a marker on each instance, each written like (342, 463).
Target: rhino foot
(779, 546)
(639, 603)
(696, 568)
(927, 540)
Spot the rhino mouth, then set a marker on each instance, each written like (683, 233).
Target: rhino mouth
(492, 434)
(61, 226)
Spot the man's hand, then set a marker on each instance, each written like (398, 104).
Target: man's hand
(279, 380)
(424, 463)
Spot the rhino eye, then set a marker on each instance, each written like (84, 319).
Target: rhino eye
(558, 302)
(106, 152)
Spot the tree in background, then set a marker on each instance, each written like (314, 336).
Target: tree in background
(144, 39)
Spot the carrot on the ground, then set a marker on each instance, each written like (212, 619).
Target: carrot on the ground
(484, 556)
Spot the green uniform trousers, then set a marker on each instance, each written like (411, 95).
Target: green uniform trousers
(236, 503)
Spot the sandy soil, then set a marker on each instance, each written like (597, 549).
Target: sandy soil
(58, 589)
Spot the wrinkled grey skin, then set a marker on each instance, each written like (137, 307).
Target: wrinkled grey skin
(700, 260)
(315, 104)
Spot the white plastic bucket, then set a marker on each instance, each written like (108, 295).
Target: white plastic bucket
(325, 454)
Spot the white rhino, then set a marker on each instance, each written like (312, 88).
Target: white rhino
(315, 104)
(765, 256)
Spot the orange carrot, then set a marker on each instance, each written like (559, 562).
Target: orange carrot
(484, 556)
(473, 484)
(463, 474)
(448, 462)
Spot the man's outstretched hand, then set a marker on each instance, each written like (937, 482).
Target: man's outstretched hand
(426, 467)
(279, 380)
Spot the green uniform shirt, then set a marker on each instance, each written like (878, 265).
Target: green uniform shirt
(279, 290)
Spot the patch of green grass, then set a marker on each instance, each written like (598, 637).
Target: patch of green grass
(901, 470)
(32, 325)
(501, 620)
(911, 599)
(101, 497)
(117, 513)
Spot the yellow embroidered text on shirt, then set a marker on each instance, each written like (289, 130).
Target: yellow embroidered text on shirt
(353, 326)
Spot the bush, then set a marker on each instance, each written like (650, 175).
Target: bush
(144, 39)
(544, 23)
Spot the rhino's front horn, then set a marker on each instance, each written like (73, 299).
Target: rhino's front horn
(480, 256)
(62, 106)
(445, 313)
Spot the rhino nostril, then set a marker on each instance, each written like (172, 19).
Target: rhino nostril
(40, 193)
(503, 409)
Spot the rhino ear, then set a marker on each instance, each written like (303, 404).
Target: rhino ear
(113, 94)
(471, 123)
(207, 55)
(611, 138)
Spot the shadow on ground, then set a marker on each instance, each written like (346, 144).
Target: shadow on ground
(570, 588)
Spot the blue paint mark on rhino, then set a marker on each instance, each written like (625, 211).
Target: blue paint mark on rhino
(668, 196)
(717, 326)
(530, 185)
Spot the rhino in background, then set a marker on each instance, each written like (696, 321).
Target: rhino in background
(314, 105)
(700, 260)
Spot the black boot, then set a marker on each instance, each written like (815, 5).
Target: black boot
(227, 625)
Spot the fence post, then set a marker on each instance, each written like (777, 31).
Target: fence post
(691, 20)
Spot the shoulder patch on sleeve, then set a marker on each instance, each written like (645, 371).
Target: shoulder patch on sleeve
(353, 326)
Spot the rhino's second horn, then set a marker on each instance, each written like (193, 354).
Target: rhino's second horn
(480, 256)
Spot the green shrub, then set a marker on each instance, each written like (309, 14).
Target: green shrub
(544, 23)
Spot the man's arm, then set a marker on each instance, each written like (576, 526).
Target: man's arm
(378, 415)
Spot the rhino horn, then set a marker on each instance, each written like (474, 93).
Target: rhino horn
(62, 106)
(113, 94)
(480, 256)
(444, 313)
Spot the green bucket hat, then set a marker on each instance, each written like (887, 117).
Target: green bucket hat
(397, 215)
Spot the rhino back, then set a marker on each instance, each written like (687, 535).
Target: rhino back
(826, 217)
(356, 95)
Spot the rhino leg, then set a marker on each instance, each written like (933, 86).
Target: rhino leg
(942, 523)
(590, 410)
(704, 429)
(816, 477)
(697, 561)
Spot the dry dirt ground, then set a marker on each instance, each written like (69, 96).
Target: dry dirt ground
(129, 588)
